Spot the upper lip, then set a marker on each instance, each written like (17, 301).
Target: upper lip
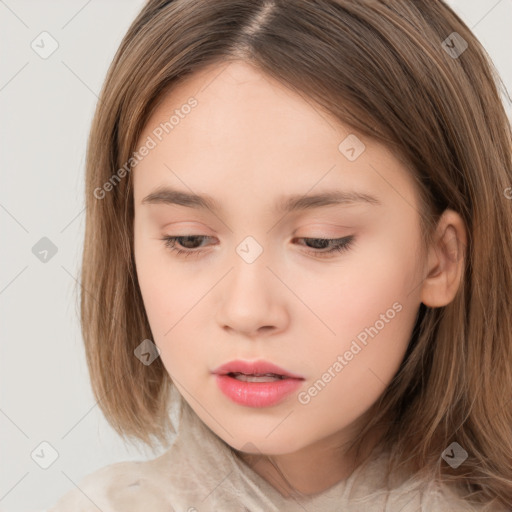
(252, 368)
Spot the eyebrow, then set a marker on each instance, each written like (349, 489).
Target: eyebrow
(284, 204)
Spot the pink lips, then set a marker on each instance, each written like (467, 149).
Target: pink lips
(256, 394)
(251, 368)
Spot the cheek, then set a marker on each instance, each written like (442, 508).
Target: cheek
(167, 300)
(170, 298)
(373, 326)
(351, 294)
(367, 304)
(159, 287)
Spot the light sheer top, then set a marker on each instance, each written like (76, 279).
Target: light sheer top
(199, 473)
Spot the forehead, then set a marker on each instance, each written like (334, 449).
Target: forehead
(250, 135)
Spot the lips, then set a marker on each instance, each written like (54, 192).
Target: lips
(257, 383)
(255, 368)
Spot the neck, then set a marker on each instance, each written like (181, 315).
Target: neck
(312, 469)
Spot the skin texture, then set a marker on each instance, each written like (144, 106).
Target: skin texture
(249, 141)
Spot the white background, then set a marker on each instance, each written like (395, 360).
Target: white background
(46, 109)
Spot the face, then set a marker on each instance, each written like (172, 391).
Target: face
(255, 280)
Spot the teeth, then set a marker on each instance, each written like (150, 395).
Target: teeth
(267, 377)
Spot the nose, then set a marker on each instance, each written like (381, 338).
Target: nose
(252, 301)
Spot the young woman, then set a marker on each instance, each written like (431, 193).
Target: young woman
(297, 260)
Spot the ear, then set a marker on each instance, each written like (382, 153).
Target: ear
(445, 261)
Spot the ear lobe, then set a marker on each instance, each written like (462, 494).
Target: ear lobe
(445, 262)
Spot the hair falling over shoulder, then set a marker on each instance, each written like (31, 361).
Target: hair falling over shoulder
(383, 68)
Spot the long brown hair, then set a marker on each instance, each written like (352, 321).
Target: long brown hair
(408, 74)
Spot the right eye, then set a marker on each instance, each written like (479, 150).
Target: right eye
(170, 243)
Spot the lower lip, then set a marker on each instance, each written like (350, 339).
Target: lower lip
(257, 394)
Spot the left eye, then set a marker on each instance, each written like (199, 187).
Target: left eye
(337, 244)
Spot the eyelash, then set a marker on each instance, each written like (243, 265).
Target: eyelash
(342, 245)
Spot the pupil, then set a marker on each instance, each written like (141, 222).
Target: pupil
(319, 242)
(186, 239)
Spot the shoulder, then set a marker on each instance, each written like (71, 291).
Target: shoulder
(118, 487)
(415, 493)
(444, 498)
(408, 492)
(434, 496)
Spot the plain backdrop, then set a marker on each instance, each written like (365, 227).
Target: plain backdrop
(46, 106)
